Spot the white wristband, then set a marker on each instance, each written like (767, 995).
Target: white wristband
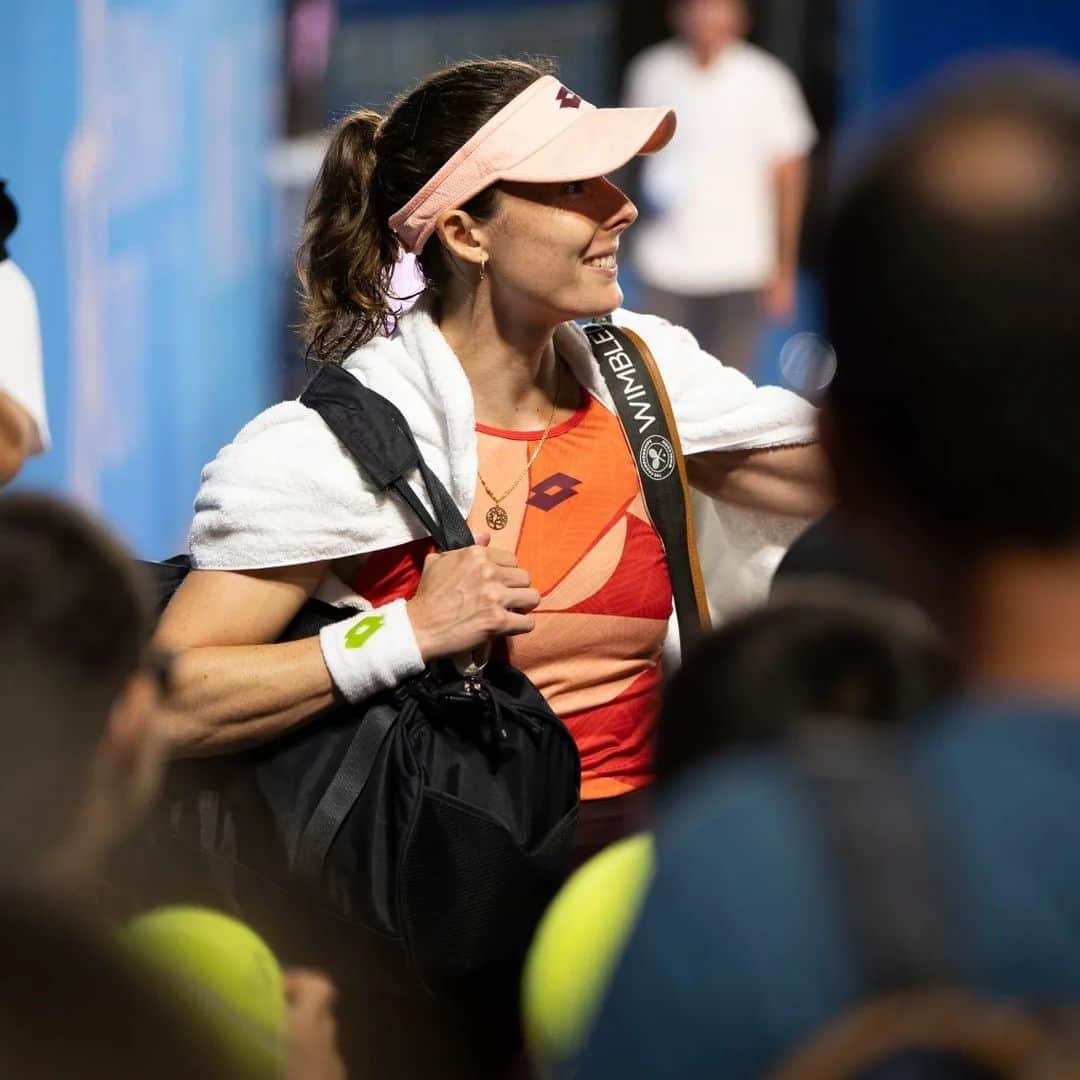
(371, 651)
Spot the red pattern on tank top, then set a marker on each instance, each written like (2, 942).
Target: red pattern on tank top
(600, 567)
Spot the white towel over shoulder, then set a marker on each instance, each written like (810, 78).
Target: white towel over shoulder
(286, 492)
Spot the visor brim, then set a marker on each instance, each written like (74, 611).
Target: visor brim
(599, 142)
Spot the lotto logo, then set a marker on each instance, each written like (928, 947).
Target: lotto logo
(568, 99)
(360, 633)
(553, 491)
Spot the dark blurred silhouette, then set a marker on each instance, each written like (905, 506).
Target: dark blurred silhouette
(72, 1005)
(951, 294)
(827, 548)
(951, 304)
(820, 648)
(82, 752)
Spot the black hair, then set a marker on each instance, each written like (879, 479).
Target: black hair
(75, 619)
(9, 218)
(818, 649)
(952, 298)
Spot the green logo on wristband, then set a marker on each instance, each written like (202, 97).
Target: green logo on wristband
(361, 632)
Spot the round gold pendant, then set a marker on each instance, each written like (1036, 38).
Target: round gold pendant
(497, 518)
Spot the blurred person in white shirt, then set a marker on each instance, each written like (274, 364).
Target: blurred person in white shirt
(24, 430)
(718, 245)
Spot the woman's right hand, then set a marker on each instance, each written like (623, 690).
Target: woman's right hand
(469, 596)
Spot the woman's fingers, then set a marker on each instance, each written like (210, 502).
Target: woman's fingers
(514, 577)
(518, 624)
(469, 596)
(502, 557)
(521, 599)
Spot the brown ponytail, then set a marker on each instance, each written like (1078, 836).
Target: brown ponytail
(372, 168)
(347, 254)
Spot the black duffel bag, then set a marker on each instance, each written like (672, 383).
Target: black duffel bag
(438, 815)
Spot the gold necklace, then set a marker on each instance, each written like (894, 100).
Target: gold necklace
(496, 517)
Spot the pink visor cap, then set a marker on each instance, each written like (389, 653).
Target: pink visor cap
(546, 135)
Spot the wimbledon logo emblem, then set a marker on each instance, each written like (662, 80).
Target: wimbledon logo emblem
(657, 457)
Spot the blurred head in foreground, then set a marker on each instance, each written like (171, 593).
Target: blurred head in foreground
(820, 649)
(73, 1004)
(79, 740)
(952, 294)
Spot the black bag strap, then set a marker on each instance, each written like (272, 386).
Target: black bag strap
(378, 436)
(644, 410)
(343, 791)
(879, 837)
(373, 430)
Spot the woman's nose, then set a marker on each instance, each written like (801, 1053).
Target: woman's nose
(619, 212)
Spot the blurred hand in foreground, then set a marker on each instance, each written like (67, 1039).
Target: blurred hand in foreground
(311, 1028)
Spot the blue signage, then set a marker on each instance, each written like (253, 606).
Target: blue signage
(134, 138)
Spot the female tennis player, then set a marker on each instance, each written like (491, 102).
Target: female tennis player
(493, 174)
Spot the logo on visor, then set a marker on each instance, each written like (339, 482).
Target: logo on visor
(568, 99)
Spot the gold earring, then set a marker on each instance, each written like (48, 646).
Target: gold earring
(483, 267)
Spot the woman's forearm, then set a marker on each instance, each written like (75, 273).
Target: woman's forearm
(231, 697)
(230, 692)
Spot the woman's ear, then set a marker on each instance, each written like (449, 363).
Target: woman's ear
(463, 237)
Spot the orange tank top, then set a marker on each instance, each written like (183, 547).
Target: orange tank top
(579, 525)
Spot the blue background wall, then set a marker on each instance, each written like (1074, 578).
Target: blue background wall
(133, 135)
(890, 44)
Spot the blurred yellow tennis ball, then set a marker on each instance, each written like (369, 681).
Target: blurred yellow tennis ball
(577, 945)
(226, 975)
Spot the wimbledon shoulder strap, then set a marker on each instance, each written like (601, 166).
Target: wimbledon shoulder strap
(879, 840)
(649, 423)
(376, 434)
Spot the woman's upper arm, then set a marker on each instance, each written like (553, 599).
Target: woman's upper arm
(716, 408)
(792, 480)
(228, 607)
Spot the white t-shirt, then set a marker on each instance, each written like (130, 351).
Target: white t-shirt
(21, 376)
(712, 220)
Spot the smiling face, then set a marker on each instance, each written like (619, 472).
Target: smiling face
(552, 249)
